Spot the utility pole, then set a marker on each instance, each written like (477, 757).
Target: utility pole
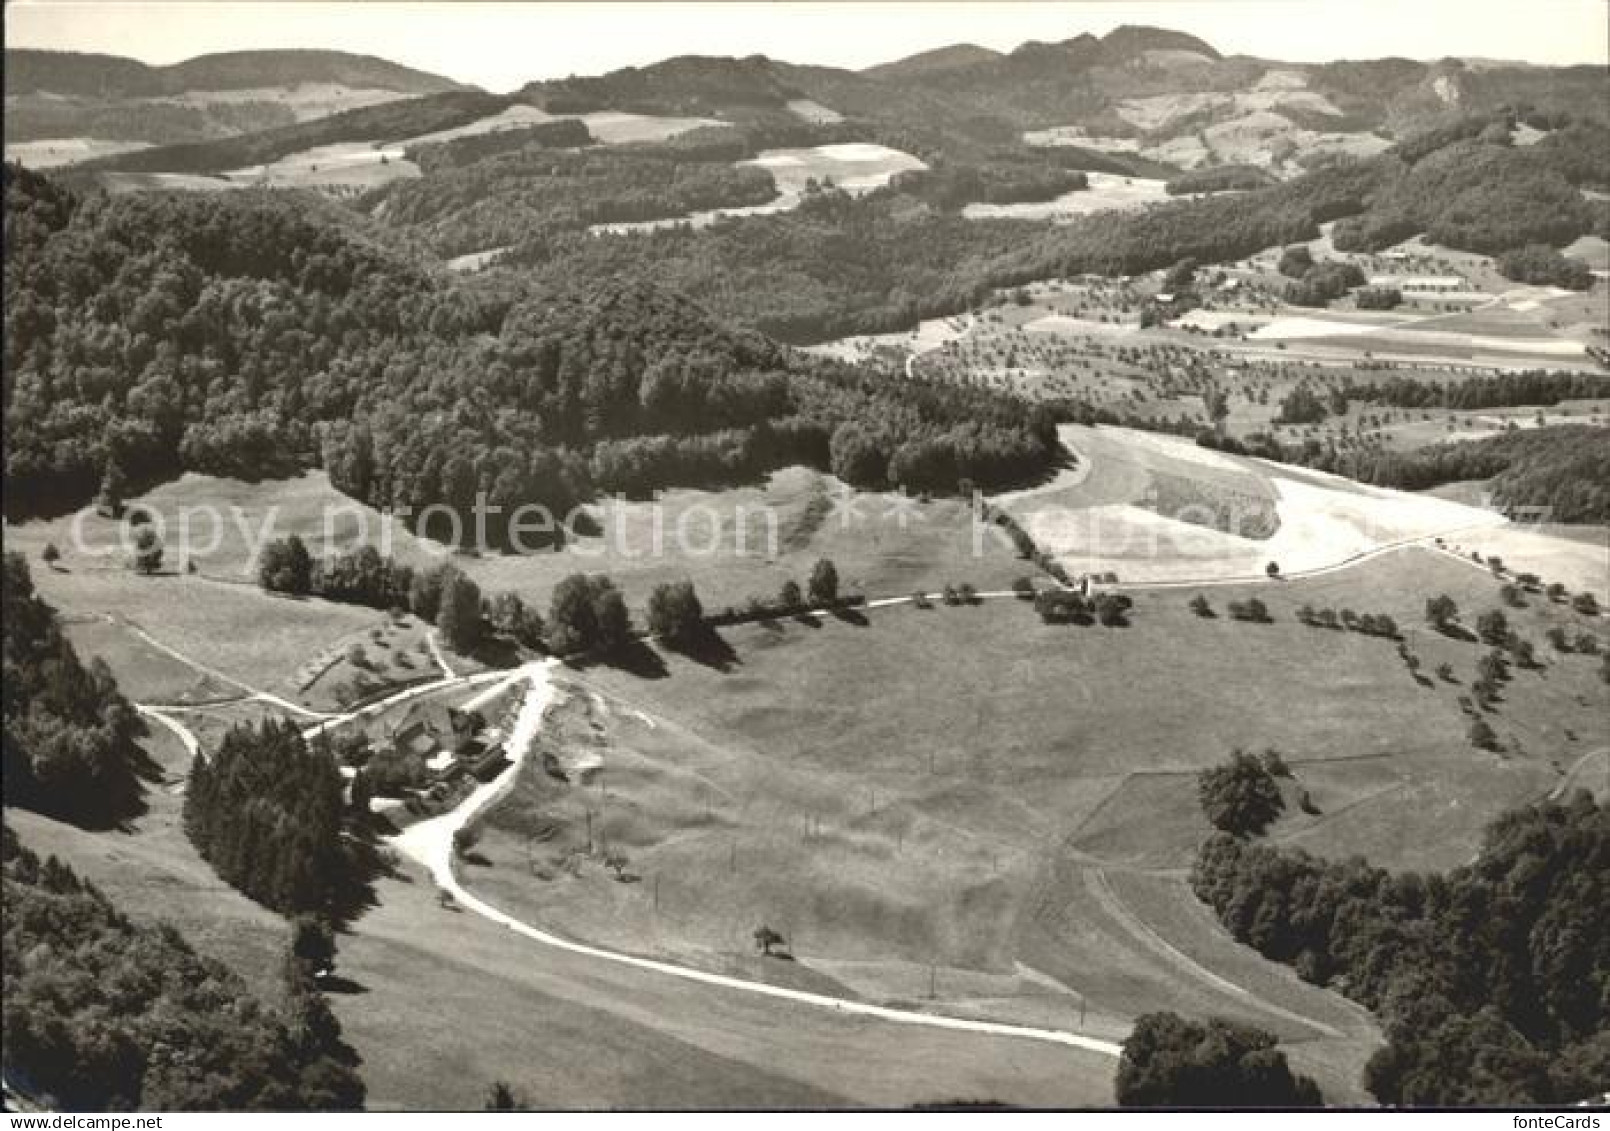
(656, 894)
(933, 981)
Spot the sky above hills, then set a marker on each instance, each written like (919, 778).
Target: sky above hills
(502, 45)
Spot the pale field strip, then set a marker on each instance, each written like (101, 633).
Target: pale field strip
(855, 167)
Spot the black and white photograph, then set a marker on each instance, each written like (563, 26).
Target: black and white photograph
(777, 558)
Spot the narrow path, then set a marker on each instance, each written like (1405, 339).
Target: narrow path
(222, 677)
(436, 652)
(1096, 883)
(430, 843)
(184, 734)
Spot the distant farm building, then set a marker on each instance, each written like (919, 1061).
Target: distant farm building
(1433, 283)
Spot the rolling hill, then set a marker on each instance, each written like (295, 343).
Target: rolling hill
(62, 95)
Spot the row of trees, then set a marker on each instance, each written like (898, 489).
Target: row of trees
(442, 594)
(1491, 980)
(1555, 469)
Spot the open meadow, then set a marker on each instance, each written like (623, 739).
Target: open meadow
(1019, 855)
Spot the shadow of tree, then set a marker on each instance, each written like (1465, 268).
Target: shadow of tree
(709, 649)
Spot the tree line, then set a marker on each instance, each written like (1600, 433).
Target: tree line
(252, 334)
(1492, 980)
(103, 1013)
(71, 738)
(268, 812)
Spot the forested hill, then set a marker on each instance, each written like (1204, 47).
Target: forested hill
(251, 334)
(84, 75)
(1493, 980)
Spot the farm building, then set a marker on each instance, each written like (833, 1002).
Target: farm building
(431, 728)
(1419, 282)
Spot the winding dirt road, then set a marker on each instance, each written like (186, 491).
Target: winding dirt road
(430, 843)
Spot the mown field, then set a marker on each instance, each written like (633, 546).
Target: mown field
(565, 1032)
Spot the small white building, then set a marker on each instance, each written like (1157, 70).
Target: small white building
(1419, 282)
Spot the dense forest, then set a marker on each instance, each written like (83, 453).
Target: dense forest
(1493, 980)
(103, 1013)
(388, 121)
(1474, 195)
(250, 334)
(1495, 390)
(71, 739)
(1218, 178)
(839, 265)
(1563, 469)
(531, 191)
(267, 812)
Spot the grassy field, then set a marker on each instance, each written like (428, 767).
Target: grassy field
(734, 543)
(564, 1031)
(1107, 192)
(1159, 508)
(1015, 854)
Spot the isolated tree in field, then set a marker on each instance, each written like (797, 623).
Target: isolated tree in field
(1493, 667)
(1586, 604)
(501, 1097)
(675, 614)
(1169, 1061)
(425, 593)
(616, 862)
(515, 619)
(1180, 276)
(1556, 592)
(312, 947)
(1240, 796)
(147, 551)
(459, 617)
(1445, 672)
(1252, 609)
(1493, 628)
(614, 621)
(1023, 589)
(766, 939)
(587, 612)
(285, 566)
(1511, 596)
(1112, 609)
(109, 499)
(789, 596)
(1200, 606)
(1295, 261)
(1441, 611)
(465, 839)
(50, 554)
(1482, 736)
(1272, 569)
(823, 586)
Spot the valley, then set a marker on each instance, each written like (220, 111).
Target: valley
(727, 584)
